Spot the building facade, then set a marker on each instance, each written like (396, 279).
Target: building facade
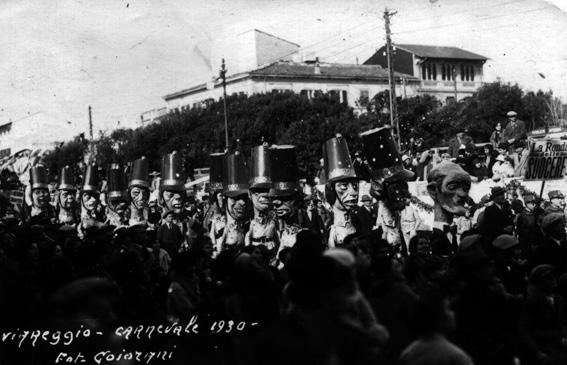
(350, 83)
(448, 73)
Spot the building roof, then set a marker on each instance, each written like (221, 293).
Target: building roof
(440, 52)
(327, 71)
(183, 92)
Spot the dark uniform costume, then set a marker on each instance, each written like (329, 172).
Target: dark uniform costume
(89, 197)
(139, 192)
(263, 230)
(172, 186)
(235, 188)
(218, 216)
(116, 197)
(389, 181)
(67, 211)
(339, 169)
(286, 194)
(41, 211)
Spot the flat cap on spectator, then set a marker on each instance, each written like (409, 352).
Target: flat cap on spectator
(511, 113)
(551, 219)
(541, 272)
(529, 198)
(497, 190)
(505, 241)
(555, 194)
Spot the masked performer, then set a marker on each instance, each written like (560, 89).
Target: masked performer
(389, 183)
(90, 200)
(217, 217)
(448, 185)
(341, 189)
(66, 204)
(263, 230)
(139, 192)
(172, 184)
(41, 210)
(286, 194)
(235, 185)
(117, 197)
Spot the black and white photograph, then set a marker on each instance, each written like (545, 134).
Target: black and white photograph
(284, 182)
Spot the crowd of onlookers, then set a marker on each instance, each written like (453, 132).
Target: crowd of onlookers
(496, 298)
(504, 156)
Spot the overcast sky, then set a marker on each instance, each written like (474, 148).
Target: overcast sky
(121, 57)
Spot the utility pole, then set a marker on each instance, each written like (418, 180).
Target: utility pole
(90, 157)
(90, 123)
(223, 77)
(455, 80)
(404, 87)
(393, 114)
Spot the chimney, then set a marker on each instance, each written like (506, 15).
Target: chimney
(317, 67)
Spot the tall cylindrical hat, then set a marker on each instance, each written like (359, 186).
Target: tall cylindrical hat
(139, 174)
(216, 171)
(66, 179)
(38, 177)
(285, 173)
(116, 182)
(382, 154)
(236, 175)
(90, 180)
(172, 177)
(260, 171)
(338, 164)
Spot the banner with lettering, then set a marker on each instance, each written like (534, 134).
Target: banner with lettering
(547, 160)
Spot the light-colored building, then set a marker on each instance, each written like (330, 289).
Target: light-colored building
(259, 62)
(34, 131)
(249, 50)
(350, 83)
(445, 72)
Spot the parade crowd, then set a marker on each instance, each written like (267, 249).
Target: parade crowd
(333, 278)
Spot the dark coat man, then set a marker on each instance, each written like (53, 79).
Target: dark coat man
(552, 250)
(498, 217)
(169, 235)
(367, 215)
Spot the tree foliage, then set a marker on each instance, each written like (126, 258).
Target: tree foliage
(288, 118)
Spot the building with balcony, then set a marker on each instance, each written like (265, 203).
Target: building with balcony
(448, 73)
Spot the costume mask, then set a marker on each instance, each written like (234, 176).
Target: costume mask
(173, 201)
(139, 197)
(66, 199)
(89, 201)
(285, 206)
(397, 193)
(347, 194)
(261, 200)
(40, 198)
(449, 185)
(237, 206)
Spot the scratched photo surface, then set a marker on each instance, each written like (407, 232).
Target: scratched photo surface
(90, 291)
